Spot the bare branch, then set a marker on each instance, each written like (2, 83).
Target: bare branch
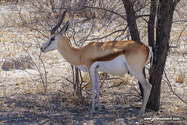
(170, 87)
(108, 34)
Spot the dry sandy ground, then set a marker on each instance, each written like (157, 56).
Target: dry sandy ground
(22, 100)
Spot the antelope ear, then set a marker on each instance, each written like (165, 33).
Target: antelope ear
(65, 28)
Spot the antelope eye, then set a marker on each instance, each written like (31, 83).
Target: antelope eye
(52, 39)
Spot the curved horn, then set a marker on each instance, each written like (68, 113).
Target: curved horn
(59, 23)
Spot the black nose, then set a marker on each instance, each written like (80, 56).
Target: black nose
(41, 49)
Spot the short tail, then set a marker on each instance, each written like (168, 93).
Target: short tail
(151, 56)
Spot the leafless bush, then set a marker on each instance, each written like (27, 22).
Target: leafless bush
(86, 18)
(91, 20)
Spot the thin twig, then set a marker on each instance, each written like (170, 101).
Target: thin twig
(170, 87)
(107, 35)
(99, 9)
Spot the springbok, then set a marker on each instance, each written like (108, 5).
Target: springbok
(113, 57)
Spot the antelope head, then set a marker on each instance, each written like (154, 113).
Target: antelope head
(51, 43)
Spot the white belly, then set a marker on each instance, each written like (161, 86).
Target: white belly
(83, 68)
(116, 66)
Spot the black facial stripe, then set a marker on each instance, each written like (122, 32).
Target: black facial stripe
(53, 38)
(48, 45)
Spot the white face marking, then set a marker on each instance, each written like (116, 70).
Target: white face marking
(50, 45)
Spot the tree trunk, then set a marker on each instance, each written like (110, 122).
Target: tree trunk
(151, 25)
(76, 82)
(131, 20)
(164, 22)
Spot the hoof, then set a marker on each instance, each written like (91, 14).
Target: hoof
(97, 108)
(92, 114)
(137, 122)
(138, 118)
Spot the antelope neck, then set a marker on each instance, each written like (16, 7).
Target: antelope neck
(71, 54)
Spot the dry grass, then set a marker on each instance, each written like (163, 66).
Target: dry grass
(180, 78)
(22, 98)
